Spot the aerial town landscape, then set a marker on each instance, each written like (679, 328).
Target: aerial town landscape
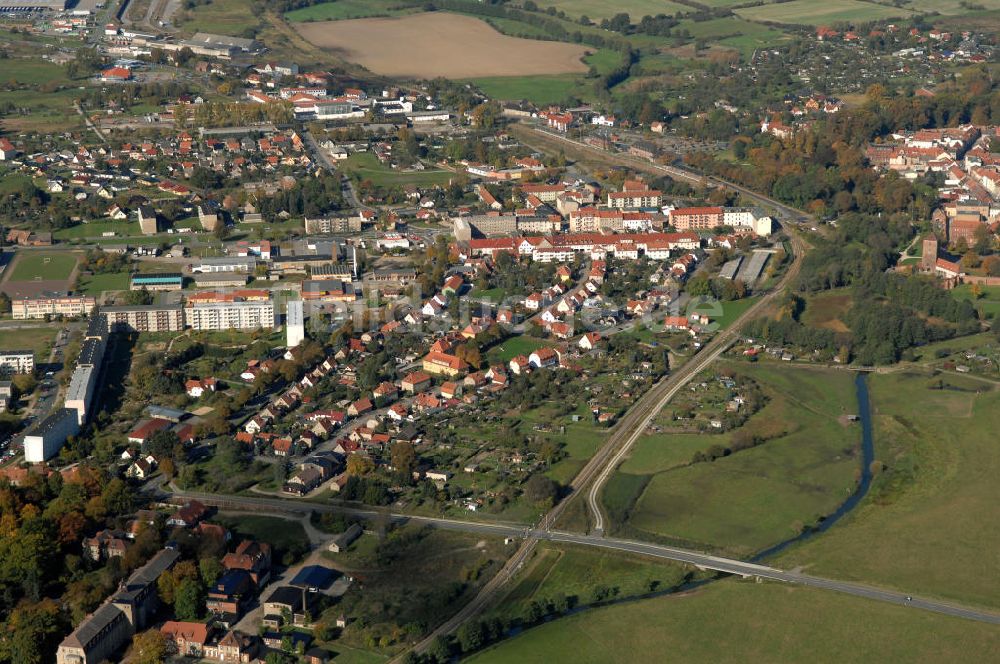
(363, 331)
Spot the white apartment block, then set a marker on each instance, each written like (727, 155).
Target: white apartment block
(295, 328)
(17, 362)
(145, 318)
(751, 218)
(40, 307)
(230, 315)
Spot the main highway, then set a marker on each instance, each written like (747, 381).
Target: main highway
(698, 559)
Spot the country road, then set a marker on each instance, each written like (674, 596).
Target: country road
(600, 466)
(697, 558)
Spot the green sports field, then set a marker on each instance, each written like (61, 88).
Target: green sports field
(741, 621)
(43, 266)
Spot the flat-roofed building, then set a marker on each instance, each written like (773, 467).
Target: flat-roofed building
(225, 41)
(148, 221)
(221, 280)
(697, 218)
(225, 264)
(80, 394)
(331, 271)
(295, 326)
(328, 225)
(145, 318)
(16, 362)
(45, 439)
(161, 281)
(230, 315)
(40, 307)
(33, 5)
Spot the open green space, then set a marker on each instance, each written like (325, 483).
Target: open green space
(808, 12)
(98, 283)
(411, 580)
(225, 17)
(508, 349)
(43, 266)
(33, 71)
(39, 110)
(365, 166)
(96, 229)
(38, 339)
(737, 621)
(536, 89)
(827, 309)
(581, 573)
(742, 503)
(287, 538)
(987, 301)
(930, 352)
(733, 310)
(924, 526)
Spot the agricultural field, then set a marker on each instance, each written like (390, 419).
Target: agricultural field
(808, 12)
(450, 45)
(921, 528)
(736, 621)
(753, 498)
(952, 7)
(733, 32)
(347, 9)
(600, 9)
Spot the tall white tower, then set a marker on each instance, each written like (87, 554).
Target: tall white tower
(295, 326)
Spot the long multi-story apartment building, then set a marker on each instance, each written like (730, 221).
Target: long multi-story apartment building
(236, 315)
(40, 307)
(16, 362)
(145, 318)
(697, 218)
(327, 225)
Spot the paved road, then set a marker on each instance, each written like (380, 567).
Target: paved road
(678, 172)
(499, 529)
(638, 418)
(629, 427)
